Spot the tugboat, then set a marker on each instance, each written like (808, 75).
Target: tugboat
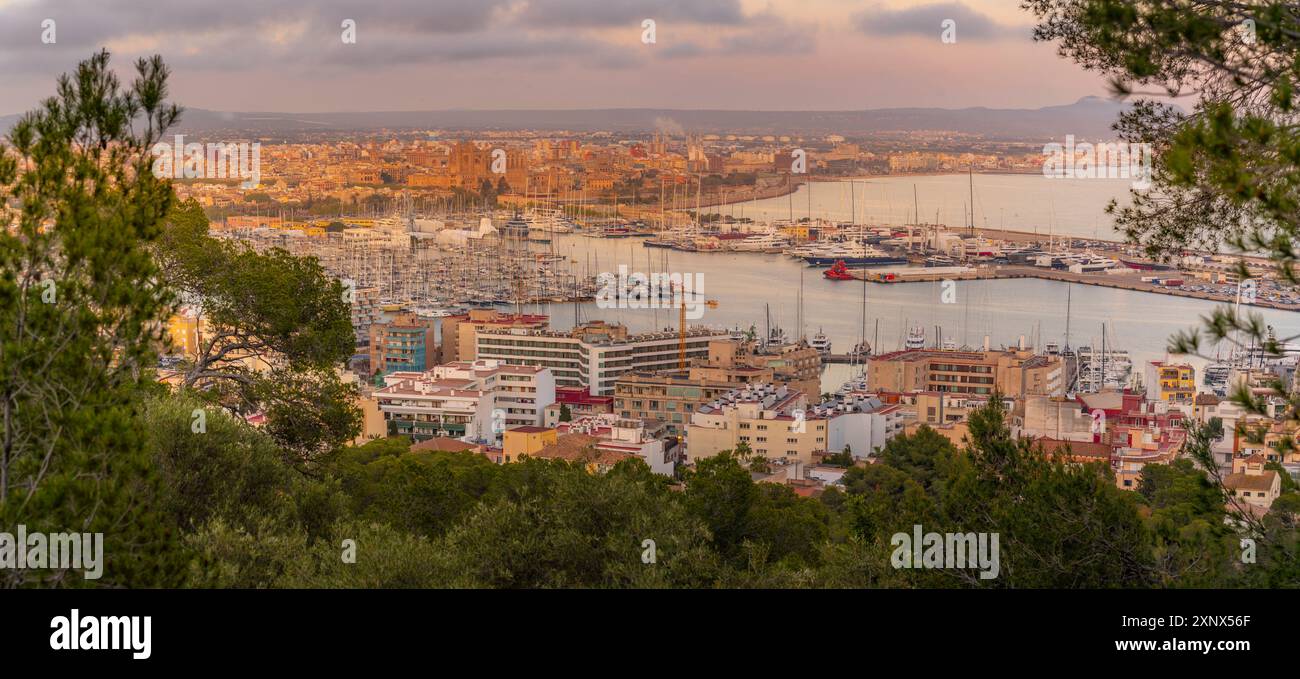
(838, 272)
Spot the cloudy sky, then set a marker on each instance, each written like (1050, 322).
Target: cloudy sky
(274, 55)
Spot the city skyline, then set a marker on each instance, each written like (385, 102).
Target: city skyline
(554, 54)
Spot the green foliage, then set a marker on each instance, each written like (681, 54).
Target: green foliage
(439, 519)
(423, 493)
(91, 441)
(1059, 525)
(720, 493)
(843, 458)
(1194, 546)
(81, 306)
(563, 527)
(270, 307)
(385, 557)
(231, 472)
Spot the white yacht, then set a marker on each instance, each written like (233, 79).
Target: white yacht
(820, 342)
(915, 338)
(804, 250)
(854, 254)
(1216, 378)
(766, 242)
(1097, 369)
(548, 221)
(857, 384)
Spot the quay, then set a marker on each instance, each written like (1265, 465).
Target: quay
(1122, 281)
(845, 358)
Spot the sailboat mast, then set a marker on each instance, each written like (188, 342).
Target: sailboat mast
(1069, 295)
(971, 175)
(853, 203)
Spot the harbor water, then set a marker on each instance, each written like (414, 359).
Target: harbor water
(751, 287)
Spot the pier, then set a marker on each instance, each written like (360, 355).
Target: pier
(1122, 281)
(845, 358)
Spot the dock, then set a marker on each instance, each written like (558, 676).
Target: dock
(845, 358)
(1123, 281)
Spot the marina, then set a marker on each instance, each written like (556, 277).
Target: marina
(1011, 286)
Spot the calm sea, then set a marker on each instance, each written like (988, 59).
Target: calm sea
(750, 288)
(1021, 202)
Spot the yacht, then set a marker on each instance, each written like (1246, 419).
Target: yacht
(820, 342)
(767, 242)
(1097, 369)
(1089, 263)
(548, 221)
(805, 250)
(856, 385)
(433, 312)
(1216, 378)
(853, 254)
(915, 338)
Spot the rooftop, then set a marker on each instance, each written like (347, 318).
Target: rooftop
(1242, 481)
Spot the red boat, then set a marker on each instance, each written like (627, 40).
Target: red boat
(838, 272)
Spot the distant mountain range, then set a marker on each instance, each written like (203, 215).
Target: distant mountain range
(1090, 117)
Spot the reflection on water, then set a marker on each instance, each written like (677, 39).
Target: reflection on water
(1020, 202)
(750, 287)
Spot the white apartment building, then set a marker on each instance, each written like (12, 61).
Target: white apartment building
(475, 400)
(865, 425)
(591, 360)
